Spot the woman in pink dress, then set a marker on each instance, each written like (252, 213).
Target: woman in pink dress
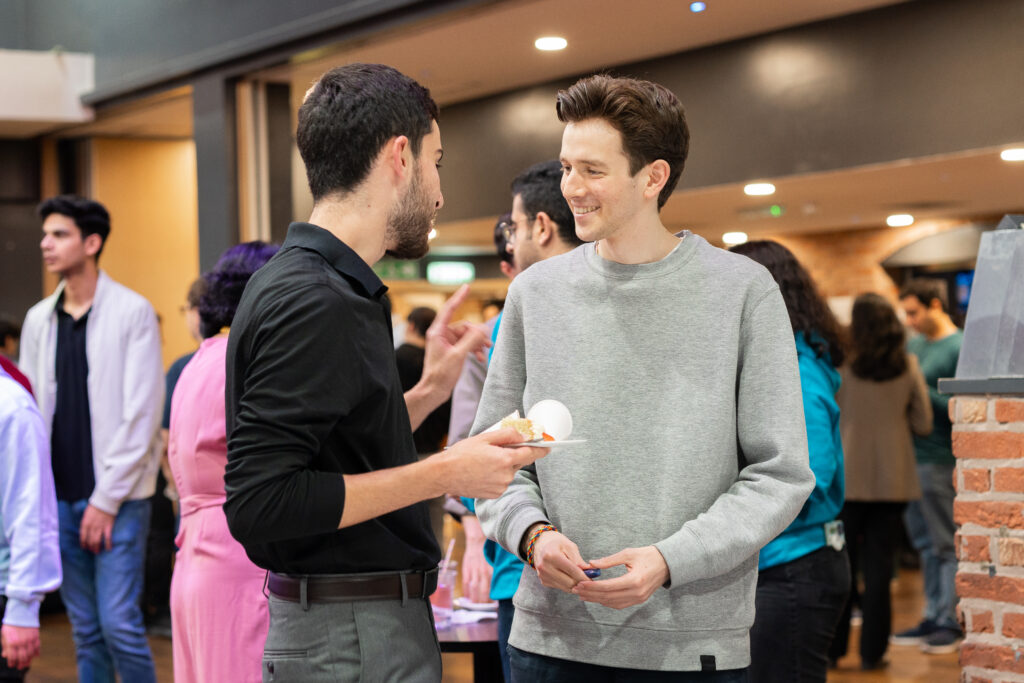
(218, 612)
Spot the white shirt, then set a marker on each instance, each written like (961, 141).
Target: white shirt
(29, 546)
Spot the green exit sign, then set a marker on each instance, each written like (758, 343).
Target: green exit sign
(397, 270)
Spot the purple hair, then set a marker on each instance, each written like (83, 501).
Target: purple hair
(226, 282)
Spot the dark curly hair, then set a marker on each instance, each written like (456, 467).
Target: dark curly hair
(226, 282)
(877, 339)
(808, 312)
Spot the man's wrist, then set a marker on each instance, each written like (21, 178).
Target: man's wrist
(530, 540)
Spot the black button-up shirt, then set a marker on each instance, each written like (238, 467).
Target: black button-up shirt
(71, 436)
(312, 394)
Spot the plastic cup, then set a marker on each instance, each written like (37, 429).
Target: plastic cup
(441, 600)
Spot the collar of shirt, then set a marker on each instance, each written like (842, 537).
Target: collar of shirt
(341, 257)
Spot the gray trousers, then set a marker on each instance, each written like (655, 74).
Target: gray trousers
(369, 641)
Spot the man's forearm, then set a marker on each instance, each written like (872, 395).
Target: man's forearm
(377, 493)
(423, 399)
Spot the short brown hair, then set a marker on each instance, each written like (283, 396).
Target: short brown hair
(926, 289)
(649, 117)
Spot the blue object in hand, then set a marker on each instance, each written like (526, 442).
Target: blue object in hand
(592, 573)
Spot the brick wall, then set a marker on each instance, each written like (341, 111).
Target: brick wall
(848, 263)
(988, 441)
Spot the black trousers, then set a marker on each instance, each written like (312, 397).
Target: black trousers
(873, 532)
(156, 595)
(797, 607)
(7, 673)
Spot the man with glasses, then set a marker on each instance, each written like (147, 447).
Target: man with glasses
(539, 227)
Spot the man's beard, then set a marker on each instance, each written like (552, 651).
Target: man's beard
(410, 222)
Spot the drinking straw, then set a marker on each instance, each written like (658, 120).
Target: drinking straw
(448, 555)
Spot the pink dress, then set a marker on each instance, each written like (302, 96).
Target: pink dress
(218, 611)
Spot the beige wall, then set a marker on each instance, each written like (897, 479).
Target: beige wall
(149, 187)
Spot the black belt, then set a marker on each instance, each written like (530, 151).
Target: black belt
(350, 587)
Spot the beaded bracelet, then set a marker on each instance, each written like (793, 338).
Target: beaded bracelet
(532, 541)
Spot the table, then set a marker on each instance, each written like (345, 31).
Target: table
(480, 640)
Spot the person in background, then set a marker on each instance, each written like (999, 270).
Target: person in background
(29, 543)
(929, 521)
(804, 573)
(92, 350)
(539, 226)
(10, 334)
(164, 520)
(883, 400)
(429, 437)
(219, 612)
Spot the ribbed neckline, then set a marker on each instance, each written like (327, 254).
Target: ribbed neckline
(673, 261)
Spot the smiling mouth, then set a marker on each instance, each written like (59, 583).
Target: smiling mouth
(583, 210)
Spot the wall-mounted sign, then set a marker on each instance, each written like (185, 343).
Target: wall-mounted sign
(392, 269)
(450, 272)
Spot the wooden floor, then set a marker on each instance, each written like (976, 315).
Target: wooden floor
(907, 664)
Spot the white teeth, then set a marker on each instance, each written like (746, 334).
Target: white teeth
(580, 210)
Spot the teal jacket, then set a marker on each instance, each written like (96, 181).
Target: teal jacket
(819, 382)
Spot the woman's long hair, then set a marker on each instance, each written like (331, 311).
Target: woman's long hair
(808, 312)
(877, 339)
(226, 282)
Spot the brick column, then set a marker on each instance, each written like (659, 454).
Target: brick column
(988, 441)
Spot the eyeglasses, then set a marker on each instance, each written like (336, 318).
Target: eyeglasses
(508, 230)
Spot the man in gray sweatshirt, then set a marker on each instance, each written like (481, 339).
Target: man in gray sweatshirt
(678, 364)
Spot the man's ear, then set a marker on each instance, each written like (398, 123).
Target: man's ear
(398, 155)
(655, 175)
(92, 243)
(543, 229)
(508, 270)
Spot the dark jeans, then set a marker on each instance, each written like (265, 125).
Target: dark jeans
(528, 667)
(873, 533)
(156, 593)
(798, 604)
(7, 672)
(506, 610)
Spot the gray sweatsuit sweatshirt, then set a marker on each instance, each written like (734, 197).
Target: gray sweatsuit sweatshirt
(682, 377)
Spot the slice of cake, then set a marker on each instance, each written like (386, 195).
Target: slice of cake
(530, 430)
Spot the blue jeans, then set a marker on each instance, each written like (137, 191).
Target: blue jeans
(506, 610)
(931, 528)
(101, 592)
(797, 607)
(528, 667)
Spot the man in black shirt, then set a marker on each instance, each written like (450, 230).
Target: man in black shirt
(323, 485)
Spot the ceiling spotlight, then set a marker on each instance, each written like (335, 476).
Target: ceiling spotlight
(758, 189)
(1014, 154)
(550, 43)
(432, 234)
(734, 238)
(697, 7)
(899, 220)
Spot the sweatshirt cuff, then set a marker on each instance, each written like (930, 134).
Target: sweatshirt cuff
(22, 613)
(518, 527)
(105, 503)
(686, 557)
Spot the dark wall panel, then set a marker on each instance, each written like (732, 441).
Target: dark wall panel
(911, 80)
(21, 269)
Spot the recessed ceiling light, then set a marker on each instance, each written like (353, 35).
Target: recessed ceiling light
(550, 43)
(697, 7)
(1014, 154)
(758, 189)
(432, 234)
(899, 220)
(734, 238)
